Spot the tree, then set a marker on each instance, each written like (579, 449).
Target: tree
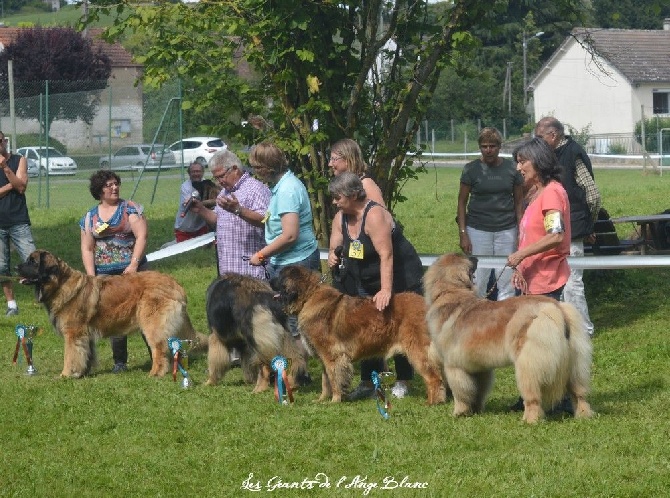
(323, 70)
(68, 62)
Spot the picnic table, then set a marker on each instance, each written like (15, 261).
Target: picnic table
(647, 229)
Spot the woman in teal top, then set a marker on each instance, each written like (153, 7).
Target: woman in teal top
(289, 234)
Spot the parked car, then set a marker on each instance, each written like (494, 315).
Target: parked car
(33, 167)
(137, 155)
(197, 149)
(59, 163)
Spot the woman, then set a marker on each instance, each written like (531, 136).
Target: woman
(544, 232)
(490, 206)
(289, 235)
(113, 240)
(346, 155)
(377, 261)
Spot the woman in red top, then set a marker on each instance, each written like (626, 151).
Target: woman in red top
(544, 231)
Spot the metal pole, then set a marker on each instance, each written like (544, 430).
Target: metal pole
(525, 76)
(12, 113)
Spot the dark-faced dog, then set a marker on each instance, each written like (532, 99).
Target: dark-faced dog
(243, 313)
(83, 308)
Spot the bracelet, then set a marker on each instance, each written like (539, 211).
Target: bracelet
(261, 258)
(137, 260)
(462, 231)
(238, 211)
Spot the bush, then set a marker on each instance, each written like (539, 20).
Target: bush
(34, 139)
(651, 129)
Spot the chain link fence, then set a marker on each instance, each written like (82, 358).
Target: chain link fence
(88, 120)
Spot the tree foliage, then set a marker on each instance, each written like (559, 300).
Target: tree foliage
(309, 72)
(67, 61)
(630, 14)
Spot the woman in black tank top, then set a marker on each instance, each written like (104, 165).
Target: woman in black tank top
(378, 261)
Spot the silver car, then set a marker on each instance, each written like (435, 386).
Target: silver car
(136, 156)
(58, 163)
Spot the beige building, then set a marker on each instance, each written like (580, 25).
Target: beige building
(609, 91)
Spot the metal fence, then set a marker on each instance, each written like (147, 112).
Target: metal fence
(89, 120)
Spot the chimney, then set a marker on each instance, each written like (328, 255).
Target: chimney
(666, 24)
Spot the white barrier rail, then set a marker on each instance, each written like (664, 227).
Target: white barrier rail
(585, 263)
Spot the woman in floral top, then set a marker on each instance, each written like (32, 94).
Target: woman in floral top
(113, 240)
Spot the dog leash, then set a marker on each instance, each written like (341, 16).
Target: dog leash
(524, 284)
(264, 264)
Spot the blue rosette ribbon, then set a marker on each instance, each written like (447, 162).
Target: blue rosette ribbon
(24, 335)
(383, 403)
(175, 346)
(279, 364)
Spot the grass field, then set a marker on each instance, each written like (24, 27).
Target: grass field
(131, 435)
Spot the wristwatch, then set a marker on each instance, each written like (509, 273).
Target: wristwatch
(238, 210)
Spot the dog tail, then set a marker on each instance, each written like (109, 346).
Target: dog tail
(581, 351)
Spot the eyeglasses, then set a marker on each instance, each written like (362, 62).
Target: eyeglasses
(335, 157)
(221, 176)
(112, 184)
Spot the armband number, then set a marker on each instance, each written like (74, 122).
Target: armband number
(553, 223)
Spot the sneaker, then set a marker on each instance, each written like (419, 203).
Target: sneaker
(400, 389)
(12, 311)
(365, 390)
(235, 359)
(518, 406)
(119, 367)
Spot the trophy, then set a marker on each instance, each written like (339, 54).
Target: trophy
(24, 340)
(283, 392)
(381, 382)
(179, 349)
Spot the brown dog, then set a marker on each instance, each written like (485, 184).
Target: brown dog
(83, 308)
(341, 329)
(544, 339)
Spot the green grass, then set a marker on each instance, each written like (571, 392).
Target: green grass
(131, 435)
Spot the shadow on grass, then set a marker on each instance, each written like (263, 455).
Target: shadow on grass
(619, 297)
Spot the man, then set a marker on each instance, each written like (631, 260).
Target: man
(187, 224)
(240, 209)
(584, 197)
(14, 219)
(242, 202)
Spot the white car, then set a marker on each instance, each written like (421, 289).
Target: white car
(197, 149)
(136, 156)
(59, 163)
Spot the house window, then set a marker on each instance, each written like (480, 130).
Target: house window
(661, 101)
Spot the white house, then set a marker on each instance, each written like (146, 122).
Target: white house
(610, 91)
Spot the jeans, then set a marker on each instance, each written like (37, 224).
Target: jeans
(574, 287)
(22, 238)
(502, 243)
(313, 262)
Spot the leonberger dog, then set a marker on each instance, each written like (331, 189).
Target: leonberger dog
(544, 339)
(242, 313)
(84, 308)
(341, 329)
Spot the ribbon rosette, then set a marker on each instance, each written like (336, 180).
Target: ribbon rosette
(279, 364)
(383, 404)
(176, 349)
(24, 335)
